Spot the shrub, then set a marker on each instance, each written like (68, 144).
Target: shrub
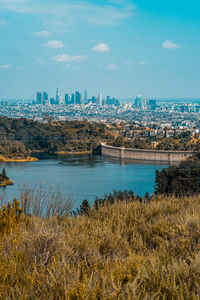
(10, 216)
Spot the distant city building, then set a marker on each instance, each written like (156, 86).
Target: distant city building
(67, 99)
(59, 99)
(117, 102)
(152, 104)
(4, 103)
(138, 101)
(72, 99)
(108, 100)
(85, 97)
(77, 97)
(52, 101)
(141, 102)
(39, 97)
(99, 99)
(94, 100)
(45, 98)
(184, 108)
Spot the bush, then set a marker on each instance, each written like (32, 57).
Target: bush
(10, 216)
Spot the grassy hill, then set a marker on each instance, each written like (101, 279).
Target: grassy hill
(125, 250)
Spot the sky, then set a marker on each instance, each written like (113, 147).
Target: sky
(117, 47)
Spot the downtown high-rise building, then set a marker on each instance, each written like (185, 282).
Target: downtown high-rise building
(99, 100)
(57, 96)
(45, 98)
(141, 102)
(85, 97)
(59, 99)
(67, 99)
(39, 98)
(42, 98)
(72, 99)
(78, 98)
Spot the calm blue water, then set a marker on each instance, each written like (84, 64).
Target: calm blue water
(81, 177)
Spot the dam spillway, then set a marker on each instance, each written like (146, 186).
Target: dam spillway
(145, 155)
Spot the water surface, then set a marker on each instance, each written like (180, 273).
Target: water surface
(82, 176)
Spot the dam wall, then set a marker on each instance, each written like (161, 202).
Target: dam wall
(145, 155)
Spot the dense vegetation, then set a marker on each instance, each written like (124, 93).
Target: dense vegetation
(185, 141)
(21, 134)
(12, 148)
(183, 179)
(124, 250)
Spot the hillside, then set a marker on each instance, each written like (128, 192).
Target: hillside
(20, 137)
(125, 250)
(29, 135)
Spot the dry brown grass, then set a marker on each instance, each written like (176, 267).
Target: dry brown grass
(122, 251)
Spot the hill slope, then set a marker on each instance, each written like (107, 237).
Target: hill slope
(120, 251)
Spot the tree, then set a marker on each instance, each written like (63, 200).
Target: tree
(84, 208)
(3, 174)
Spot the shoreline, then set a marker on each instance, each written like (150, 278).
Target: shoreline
(27, 159)
(6, 182)
(62, 152)
(73, 152)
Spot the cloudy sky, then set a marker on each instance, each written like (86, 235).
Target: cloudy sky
(117, 47)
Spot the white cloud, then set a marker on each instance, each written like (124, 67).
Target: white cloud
(8, 66)
(170, 45)
(3, 22)
(112, 66)
(102, 47)
(69, 58)
(72, 12)
(54, 44)
(43, 34)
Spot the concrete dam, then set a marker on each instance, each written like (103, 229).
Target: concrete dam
(145, 155)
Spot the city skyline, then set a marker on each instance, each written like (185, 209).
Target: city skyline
(123, 48)
(75, 98)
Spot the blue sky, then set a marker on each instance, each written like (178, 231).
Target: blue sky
(119, 48)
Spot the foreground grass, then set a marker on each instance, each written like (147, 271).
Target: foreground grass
(122, 251)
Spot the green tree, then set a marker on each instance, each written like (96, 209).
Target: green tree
(3, 174)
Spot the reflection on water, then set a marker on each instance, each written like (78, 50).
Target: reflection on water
(94, 160)
(82, 176)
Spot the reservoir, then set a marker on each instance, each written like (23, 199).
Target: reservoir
(81, 176)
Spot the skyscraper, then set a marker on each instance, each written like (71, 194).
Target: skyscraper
(72, 99)
(52, 101)
(138, 101)
(77, 98)
(39, 97)
(152, 104)
(108, 100)
(67, 99)
(99, 100)
(85, 97)
(58, 97)
(45, 98)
